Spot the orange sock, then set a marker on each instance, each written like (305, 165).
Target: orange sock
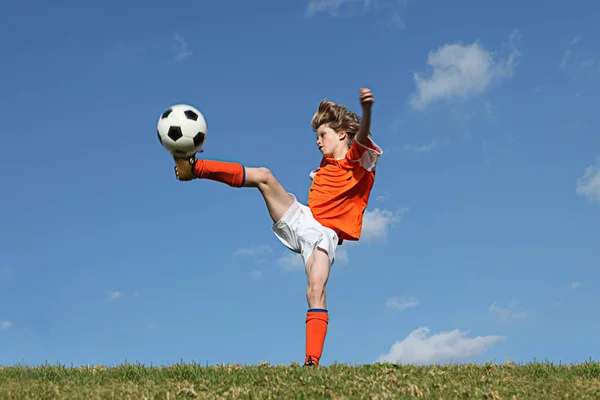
(317, 320)
(230, 173)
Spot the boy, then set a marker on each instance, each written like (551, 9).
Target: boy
(337, 199)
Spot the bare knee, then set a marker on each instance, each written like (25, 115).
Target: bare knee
(315, 291)
(264, 176)
(318, 275)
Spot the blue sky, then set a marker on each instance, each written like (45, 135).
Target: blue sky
(480, 242)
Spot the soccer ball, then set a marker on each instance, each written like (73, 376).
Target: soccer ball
(182, 130)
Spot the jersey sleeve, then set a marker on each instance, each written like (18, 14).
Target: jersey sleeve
(367, 155)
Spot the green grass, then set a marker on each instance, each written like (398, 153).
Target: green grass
(376, 381)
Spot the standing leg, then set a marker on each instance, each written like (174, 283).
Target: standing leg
(317, 316)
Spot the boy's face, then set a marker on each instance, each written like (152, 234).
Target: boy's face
(328, 141)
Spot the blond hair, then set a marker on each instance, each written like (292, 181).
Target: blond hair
(338, 117)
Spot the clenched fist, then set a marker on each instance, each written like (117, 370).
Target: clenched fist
(366, 98)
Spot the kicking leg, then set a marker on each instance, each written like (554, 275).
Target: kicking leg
(277, 199)
(236, 175)
(317, 317)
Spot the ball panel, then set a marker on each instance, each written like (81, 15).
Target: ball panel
(190, 128)
(190, 114)
(185, 146)
(175, 133)
(163, 127)
(163, 130)
(176, 118)
(199, 139)
(166, 113)
(168, 144)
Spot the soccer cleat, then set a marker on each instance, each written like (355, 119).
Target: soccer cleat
(309, 362)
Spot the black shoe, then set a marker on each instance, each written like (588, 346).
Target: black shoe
(310, 363)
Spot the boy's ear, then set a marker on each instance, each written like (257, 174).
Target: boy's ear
(342, 134)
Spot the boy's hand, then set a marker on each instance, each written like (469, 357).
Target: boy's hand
(184, 168)
(366, 99)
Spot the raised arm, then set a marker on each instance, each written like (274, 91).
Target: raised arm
(366, 101)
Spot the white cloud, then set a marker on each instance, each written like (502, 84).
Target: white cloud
(425, 148)
(402, 304)
(582, 65)
(420, 347)
(568, 52)
(336, 8)
(112, 296)
(5, 325)
(383, 197)
(291, 261)
(181, 48)
(462, 71)
(510, 312)
(341, 256)
(256, 274)
(574, 285)
(253, 250)
(330, 6)
(588, 185)
(377, 222)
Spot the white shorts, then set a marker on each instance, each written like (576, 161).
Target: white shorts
(300, 232)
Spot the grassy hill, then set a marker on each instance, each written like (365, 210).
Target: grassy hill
(264, 381)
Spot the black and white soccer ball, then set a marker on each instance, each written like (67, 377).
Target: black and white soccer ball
(182, 130)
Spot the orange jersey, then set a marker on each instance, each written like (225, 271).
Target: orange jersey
(340, 189)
